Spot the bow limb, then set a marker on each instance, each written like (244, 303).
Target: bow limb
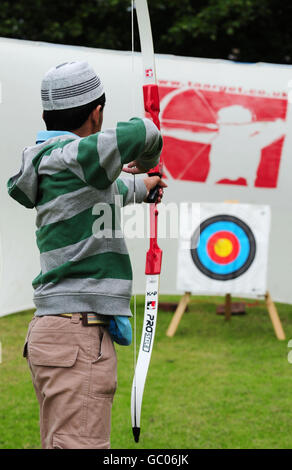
(154, 254)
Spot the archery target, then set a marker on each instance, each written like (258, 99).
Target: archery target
(226, 251)
(225, 247)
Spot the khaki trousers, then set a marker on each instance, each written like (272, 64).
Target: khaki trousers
(74, 373)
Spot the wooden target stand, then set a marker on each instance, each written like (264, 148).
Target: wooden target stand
(184, 301)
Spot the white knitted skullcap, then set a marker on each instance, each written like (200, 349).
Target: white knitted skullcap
(70, 85)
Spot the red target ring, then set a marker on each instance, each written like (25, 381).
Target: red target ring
(230, 249)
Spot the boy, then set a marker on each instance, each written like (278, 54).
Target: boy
(85, 278)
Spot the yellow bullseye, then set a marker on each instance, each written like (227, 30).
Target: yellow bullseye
(223, 247)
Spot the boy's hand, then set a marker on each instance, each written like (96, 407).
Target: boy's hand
(150, 183)
(134, 168)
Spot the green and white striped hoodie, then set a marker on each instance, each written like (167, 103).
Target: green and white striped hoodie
(64, 178)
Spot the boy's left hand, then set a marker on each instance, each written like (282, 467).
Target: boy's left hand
(150, 183)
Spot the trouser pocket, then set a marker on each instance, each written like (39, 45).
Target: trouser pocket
(59, 382)
(52, 355)
(103, 377)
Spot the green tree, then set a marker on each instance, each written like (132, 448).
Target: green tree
(245, 30)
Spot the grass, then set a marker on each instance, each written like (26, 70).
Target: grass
(214, 385)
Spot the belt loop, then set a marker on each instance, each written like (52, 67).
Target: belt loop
(75, 318)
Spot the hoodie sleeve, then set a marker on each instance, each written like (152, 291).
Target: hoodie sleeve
(97, 160)
(101, 156)
(24, 185)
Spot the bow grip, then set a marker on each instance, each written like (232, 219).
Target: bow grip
(153, 195)
(154, 192)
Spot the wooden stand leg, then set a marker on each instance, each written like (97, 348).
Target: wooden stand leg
(227, 307)
(274, 317)
(178, 314)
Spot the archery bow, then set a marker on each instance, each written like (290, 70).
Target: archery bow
(154, 254)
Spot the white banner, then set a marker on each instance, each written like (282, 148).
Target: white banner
(227, 135)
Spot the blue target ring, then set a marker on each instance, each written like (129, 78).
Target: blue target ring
(240, 233)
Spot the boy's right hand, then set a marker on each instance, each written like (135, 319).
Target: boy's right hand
(134, 168)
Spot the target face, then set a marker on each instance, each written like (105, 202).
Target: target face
(225, 247)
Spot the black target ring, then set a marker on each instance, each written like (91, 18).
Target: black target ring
(238, 230)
